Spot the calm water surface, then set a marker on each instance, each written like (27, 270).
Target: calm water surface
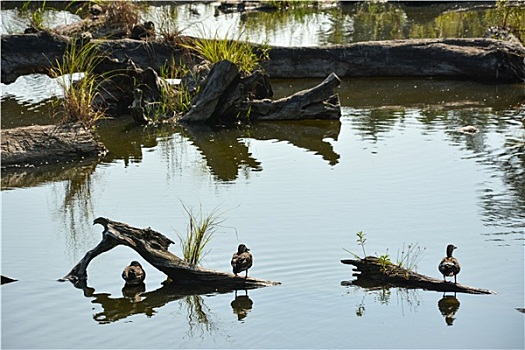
(296, 194)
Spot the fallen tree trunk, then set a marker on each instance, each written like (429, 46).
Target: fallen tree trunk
(370, 271)
(479, 59)
(36, 145)
(153, 247)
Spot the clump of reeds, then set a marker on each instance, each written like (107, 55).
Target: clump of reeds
(75, 74)
(410, 256)
(239, 52)
(199, 232)
(173, 99)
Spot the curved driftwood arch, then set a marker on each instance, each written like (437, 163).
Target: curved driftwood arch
(153, 247)
(371, 273)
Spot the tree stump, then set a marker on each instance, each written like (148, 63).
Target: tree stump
(153, 247)
(370, 272)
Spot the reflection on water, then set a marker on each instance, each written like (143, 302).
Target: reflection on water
(345, 22)
(448, 306)
(226, 151)
(407, 298)
(241, 305)
(136, 300)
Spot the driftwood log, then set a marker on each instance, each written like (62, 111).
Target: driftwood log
(225, 98)
(153, 247)
(36, 145)
(370, 272)
(479, 59)
(319, 102)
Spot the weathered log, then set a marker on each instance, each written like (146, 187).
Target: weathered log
(221, 76)
(35, 145)
(489, 60)
(153, 247)
(479, 59)
(224, 98)
(319, 102)
(370, 271)
(37, 53)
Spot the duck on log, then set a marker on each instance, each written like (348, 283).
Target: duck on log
(153, 247)
(370, 271)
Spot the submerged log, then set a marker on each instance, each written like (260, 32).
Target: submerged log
(153, 247)
(370, 271)
(35, 145)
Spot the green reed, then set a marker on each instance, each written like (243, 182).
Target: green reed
(199, 233)
(77, 105)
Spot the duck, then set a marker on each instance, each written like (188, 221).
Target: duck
(449, 266)
(134, 274)
(137, 108)
(143, 31)
(242, 260)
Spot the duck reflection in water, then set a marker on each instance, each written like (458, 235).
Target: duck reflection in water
(448, 306)
(241, 305)
(133, 292)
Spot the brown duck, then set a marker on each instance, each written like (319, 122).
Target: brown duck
(133, 274)
(449, 266)
(242, 260)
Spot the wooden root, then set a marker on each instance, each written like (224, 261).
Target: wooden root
(370, 273)
(153, 247)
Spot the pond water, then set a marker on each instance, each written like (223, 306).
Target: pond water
(296, 193)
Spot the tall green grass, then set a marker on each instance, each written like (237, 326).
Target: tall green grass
(236, 50)
(77, 105)
(199, 232)
(173, 98)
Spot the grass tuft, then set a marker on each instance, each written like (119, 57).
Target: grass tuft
(240, 52)
(77, 104)
(199, 232)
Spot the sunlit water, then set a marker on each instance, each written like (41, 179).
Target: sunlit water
(296, 194)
